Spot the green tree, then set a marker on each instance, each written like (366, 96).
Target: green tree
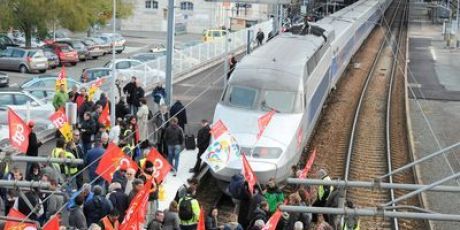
(40, 15)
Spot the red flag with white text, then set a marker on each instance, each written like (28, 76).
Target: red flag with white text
(104, 118)
(263, 122)
(273, 221)
(53, 223)
(59, 120)
(17, 225)
(218, 129)
(112, 160)
(161, 166)
(248, 174)
(309, 164)
(18, 131)
(135, 215)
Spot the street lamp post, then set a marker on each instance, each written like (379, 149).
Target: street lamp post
(169, 52)
(114, 74)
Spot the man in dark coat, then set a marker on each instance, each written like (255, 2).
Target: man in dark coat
(34, 144)
(133, 94)
(178, 110)
(97, 207)
(174, 137)
(119, 200)
(203, 139)
(260, 37)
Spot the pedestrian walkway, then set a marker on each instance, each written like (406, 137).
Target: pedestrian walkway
(433, 79)
(172, 183)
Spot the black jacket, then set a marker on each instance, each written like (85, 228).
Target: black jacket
(34, 144)
(178, 111)
(211, 223)
(260, 36)
(121, 110)
(174, 135)
(87, 129)
(96, 208)
(120, 202)
(203, 137)
(134, 94)
(258, 214)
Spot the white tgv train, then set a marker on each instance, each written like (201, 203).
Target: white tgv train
(292, 74)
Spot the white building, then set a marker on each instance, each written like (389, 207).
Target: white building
(194, 16)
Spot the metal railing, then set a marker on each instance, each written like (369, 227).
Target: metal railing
(196, 56)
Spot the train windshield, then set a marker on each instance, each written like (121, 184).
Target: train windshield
(265, 100)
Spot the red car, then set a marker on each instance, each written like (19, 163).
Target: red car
(65, 53)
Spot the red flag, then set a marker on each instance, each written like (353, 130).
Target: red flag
(112, 160)
(249, 175)
(263, 121)
(61, 79)
(18, 131)
(218, 129)
(135, 215)
(161, 166)
(104, 118)
(17, 225)
(307, 168)
(273, 221)
(201, 221)
(59, 118)
(53, 223)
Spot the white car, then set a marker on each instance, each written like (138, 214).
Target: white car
(127, 68)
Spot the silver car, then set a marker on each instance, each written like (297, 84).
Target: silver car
(23, 60)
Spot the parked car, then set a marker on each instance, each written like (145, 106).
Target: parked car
(210, 35)
(23, 60)
(65, 53)
(103, 45)
(5, 41)
(158, 48)
(126, 68)
(18, 98)
(115, 40)
(93, 48)
(92, 74)
(145, 57)
(47, 80)
(82, 51)
(53, 59)
(4, 79)
(45, 94)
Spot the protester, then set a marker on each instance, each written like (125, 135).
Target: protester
(273, 195)
(115, 131)
(96, 208)
(111, 221)
(231, 65)
(34, 144)
(92, 161)
(211, 220)
(260, 213)
(178, 110)
(138, 185)
(256, 200)
(182, 191)
(142, 119)
(130, 177)
(157, 222)
(171, 220)
(322, 224)
(77, 150)
(203, 139)
(260, 37)
(86, 130)
(161, 123)
(118, 199)
(133, 93)
(54, 201)
(121, 110)
(189, 210)
(77, 218)
(73, 94)
(60, 97)
(34, 173)
(174, 136)
(233, 223)
(304, 218)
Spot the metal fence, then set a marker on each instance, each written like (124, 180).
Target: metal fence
(192, 57)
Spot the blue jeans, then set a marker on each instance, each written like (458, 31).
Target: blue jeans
(174, 154)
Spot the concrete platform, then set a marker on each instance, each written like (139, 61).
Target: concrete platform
(434, 104)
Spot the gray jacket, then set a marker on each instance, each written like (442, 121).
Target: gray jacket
(171, 221)
(53, 204)
(77, 218)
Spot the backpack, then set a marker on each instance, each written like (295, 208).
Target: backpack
(185, 209)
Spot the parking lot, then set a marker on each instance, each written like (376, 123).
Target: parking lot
(136, 42)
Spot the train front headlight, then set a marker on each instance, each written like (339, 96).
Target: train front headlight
(267, 152)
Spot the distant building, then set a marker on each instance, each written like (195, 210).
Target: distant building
(194, 16)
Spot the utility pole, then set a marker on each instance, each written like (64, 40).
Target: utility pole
(114, 73)
(170, 52)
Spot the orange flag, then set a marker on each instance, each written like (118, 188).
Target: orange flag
(135, 215)
(18, 131)
(104, 118)
(273, 221)
(248, 174)
(201, 221)
(53, 223)
(17, 225)
(112, 160)
(218, 129)
(263, 122)
(161, 166)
